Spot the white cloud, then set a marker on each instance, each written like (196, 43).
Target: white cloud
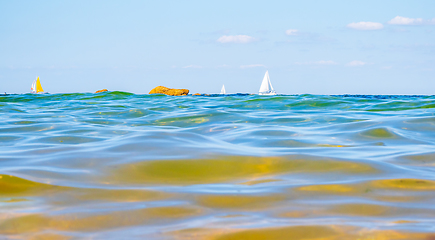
(192, 66)
(321, 62)
(292, 32)
(365, 26)
(252, 66)
(236, 39)
(406, 21)
(356, 63)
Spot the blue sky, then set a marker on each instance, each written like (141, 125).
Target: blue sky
(316, 47)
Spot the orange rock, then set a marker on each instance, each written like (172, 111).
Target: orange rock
(197, 94)
(102, 90)
(169, 91)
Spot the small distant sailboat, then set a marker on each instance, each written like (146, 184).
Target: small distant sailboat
(266, 86)
(36, 87)
(223, 90)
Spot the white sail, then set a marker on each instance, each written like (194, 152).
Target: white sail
(270, 84)
(33, 88)
(266, 86)
(223, 90)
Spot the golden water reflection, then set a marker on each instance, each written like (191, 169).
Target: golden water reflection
(224, 169)
(311, 232)
(153, 193)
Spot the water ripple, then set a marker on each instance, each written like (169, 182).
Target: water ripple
(118, 165)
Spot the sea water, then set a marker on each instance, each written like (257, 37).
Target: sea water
(118, 165)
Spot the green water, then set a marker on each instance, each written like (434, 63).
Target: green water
(117, 165)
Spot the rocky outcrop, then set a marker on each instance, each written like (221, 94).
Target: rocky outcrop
(197, 94)
(102, 90)
(169, 91)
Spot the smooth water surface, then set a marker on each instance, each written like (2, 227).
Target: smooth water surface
(117, 165)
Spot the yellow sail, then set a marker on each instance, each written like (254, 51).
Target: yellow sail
(38, 86)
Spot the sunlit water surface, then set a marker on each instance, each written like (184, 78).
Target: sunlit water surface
(118, 165)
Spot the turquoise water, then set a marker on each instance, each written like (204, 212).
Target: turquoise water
(117, 165)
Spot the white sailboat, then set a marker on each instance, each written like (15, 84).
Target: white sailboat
(223, 90)
(266, 86)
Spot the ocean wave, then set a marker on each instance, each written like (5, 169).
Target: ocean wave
(124, 165)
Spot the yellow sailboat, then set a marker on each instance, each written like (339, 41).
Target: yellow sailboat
(36, 87)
